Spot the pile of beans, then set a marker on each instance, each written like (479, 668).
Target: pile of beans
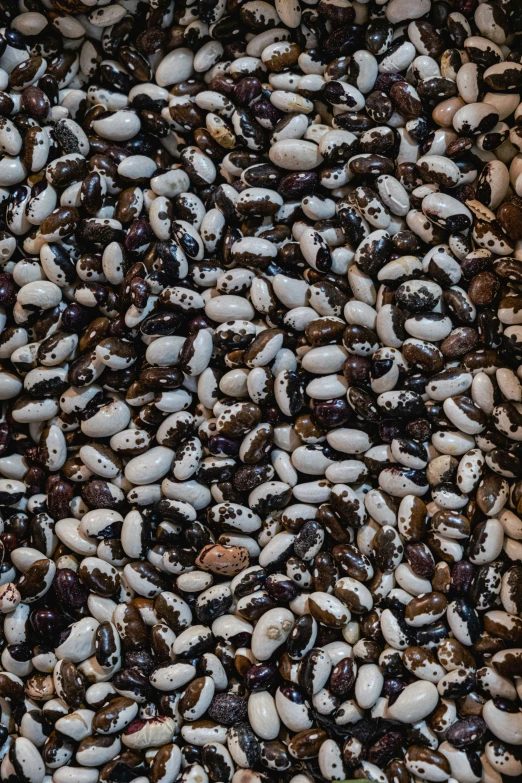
(261, 363)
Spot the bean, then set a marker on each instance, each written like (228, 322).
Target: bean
(260, 335)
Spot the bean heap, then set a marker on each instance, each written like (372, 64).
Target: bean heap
(261, 362)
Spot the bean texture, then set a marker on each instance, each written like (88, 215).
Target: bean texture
(261, 386)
